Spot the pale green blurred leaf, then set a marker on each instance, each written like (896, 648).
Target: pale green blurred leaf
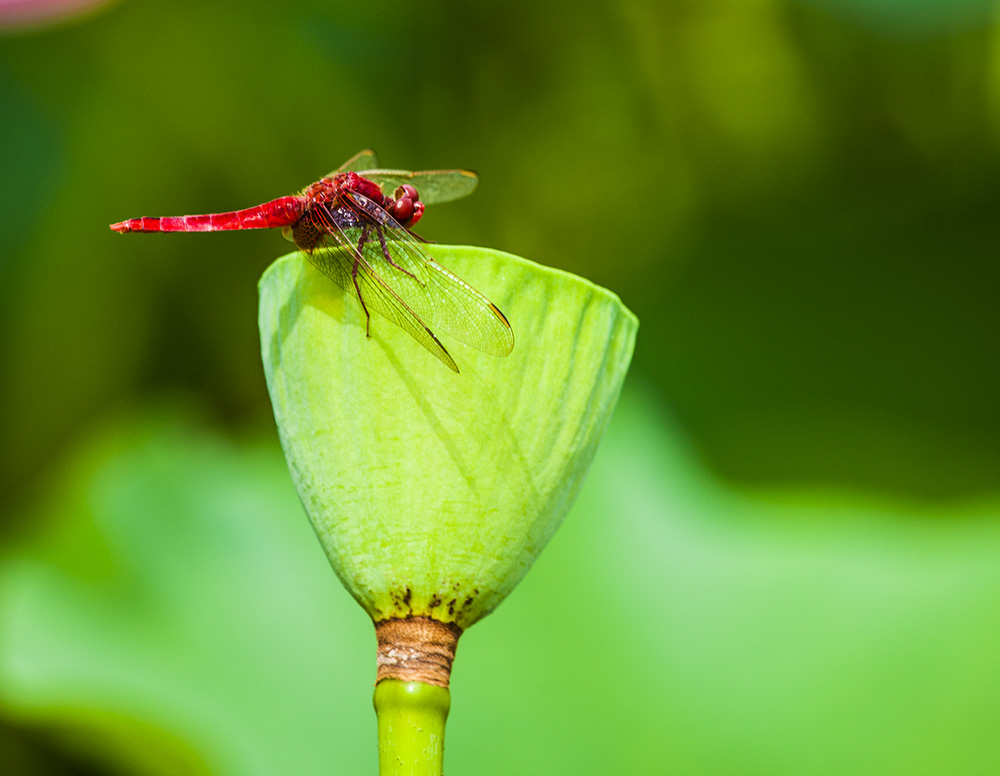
(677, 626)
(177, 614)
(183, 610)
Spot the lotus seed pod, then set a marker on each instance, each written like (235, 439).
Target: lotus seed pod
(433, 492)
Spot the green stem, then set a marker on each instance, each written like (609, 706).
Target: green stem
(411, 717)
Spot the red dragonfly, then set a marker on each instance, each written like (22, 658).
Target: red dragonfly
(360, 238)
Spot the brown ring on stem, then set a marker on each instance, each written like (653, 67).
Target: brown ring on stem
(416, 649)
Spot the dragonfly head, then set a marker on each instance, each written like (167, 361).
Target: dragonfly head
(406, 207)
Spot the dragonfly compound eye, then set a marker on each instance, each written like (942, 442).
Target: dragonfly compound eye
(408, 191)
(403, 209)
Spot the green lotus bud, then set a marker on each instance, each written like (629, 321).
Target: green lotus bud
(433, 492)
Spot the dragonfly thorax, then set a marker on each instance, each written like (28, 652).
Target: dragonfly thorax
(404, 206)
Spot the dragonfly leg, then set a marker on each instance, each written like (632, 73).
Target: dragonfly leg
(365, 231)
(388, 256)
(354, 278)
(368, 315)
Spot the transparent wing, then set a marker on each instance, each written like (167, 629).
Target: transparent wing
(433, 185)
(349, 270)
(372, 256)
(442, 299)
(361, 161)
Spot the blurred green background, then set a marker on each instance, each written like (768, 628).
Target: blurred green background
(788, 554)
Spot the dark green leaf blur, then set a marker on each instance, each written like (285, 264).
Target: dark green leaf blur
(787, 558)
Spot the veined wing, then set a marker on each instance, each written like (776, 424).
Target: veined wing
(438, 297)
(361, 161)
(433, 185)
(342, 263)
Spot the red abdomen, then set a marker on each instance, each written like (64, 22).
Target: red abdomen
(283, 211)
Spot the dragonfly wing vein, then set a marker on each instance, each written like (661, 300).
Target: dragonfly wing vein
(352, 272)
